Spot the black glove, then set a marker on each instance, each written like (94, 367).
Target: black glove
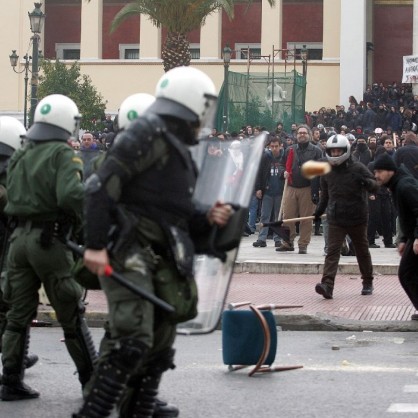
(317, 216)
(315, 199)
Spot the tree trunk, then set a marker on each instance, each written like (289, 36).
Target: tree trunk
(175, 51)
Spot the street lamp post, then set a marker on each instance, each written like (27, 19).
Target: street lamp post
(304, 58)
(13, 62)
(227, 52)
(36, 18)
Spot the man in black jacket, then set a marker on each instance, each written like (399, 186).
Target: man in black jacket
(404, 189)
(344, 196)
(362, 152)
(408, 154)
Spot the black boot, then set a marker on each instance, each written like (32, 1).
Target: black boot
(80, 346)
(142, 402)
(324, 290)
(110, 378)
(13, 388)
(367, 289)
(165, 410)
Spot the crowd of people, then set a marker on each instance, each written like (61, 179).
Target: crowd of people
(383, 122)
(391, 108)
(359, 209)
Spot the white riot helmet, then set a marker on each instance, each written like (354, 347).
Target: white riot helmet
(56, 117)
(188, 94)
(133, 107)
(340, 142)
(12, 133)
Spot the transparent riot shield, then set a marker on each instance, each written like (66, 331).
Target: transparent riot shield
(227, 172)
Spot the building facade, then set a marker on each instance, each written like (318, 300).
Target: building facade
(350, 43)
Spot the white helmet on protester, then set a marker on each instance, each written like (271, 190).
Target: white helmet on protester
(189, 94)
(133, 107)
(338, 142)
(12, 133)
(56, 117)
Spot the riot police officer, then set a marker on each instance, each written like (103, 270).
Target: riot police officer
(45, 199)
(145, 186)
(130, 109)
(12, 134)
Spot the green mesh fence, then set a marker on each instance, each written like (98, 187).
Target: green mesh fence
(258, 99)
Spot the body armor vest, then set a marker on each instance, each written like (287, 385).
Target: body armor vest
(164, 192)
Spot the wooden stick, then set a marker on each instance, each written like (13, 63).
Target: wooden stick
(290, 220)
(282, 202)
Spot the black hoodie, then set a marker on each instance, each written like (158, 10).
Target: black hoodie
(404, 189)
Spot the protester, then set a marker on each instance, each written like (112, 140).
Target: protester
(404, 189)
(301, 194)
(271, 187)
(344, 197)
(408, 154)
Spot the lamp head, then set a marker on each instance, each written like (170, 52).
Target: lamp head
(304, 53)
(36, 18)
(13, 58)
(227, 52)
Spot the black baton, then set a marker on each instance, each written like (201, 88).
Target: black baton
(109, 272)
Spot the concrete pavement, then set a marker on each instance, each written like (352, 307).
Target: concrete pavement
(263, 275)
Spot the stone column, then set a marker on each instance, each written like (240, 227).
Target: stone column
(211, 37)
(91, 29)
(331, 30)
(271, 27)
(149, 39)
(352, 50)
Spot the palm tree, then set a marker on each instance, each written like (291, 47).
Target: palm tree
(179, 17)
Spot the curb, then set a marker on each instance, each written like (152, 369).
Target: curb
(272, 267)
(285, 322)
(320, 322)
(94, 319)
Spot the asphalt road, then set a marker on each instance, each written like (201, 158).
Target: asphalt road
(345, 375)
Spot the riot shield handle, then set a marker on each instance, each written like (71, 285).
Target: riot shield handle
(212, 250)
(212, 241)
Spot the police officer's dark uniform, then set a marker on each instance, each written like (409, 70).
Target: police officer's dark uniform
(145, 185)
(45, 192)
(12, 134)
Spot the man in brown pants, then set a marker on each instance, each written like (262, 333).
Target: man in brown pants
(301, 195)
